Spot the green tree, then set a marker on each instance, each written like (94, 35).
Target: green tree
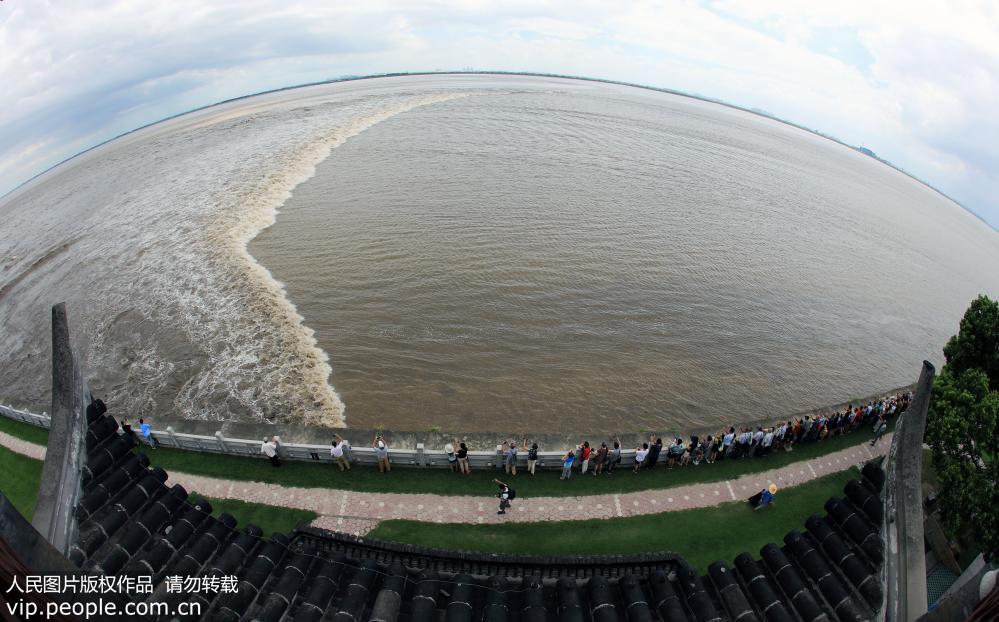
(962, 433)
(976, 346)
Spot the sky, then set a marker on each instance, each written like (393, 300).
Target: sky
(917, 82)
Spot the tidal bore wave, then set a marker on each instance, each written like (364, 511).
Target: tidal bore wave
(261, 211)
(175, 318)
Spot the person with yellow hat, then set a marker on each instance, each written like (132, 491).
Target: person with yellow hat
(763, 498)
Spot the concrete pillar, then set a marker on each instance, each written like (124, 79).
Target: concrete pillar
(905, 560)
(60, 488)
(421, 455)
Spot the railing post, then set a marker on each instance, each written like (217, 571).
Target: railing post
(221, 440)
(420, 455)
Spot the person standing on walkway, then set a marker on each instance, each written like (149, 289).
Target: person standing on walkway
(567, 460)
(381, 453)
(147, 433)
(336, 451)
(506, 495)
(269, 449)
(463, 459)
(452, 457)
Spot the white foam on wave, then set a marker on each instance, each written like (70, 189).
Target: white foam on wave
(179, 318)
(260, 212)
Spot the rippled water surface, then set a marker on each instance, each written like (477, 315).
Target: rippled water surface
(484, 253)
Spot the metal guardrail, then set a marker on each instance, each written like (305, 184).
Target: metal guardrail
(420, 456)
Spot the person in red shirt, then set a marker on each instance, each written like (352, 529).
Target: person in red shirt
(584, 456)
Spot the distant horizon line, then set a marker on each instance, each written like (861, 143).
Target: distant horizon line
(352, 78)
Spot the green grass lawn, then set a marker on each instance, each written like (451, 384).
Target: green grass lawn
(21, 477)
(20, 480)
(701, 535)
(24, 431)
(443, 482)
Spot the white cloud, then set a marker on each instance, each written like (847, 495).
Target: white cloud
(917, 82)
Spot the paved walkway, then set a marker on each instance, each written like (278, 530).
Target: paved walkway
(359, 512)
(19, 446)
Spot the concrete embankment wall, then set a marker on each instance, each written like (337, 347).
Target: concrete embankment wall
(407, 448)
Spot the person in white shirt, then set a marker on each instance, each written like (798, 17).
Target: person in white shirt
(640, 454)
(727, 441)
(381, 453)
(742, 443)
(269, 449)
(337, 452)
(768, 440)
(755, 445)
(779, 435)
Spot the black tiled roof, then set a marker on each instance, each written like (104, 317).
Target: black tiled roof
(131, 522)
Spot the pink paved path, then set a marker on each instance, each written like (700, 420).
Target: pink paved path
(359, 512)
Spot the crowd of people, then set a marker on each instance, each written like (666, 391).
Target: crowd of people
(729, 443)
(606, 458)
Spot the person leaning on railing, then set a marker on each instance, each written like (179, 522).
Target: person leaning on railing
(269, 449)
(614, 457)
(147, 433)
(462, 454)
(532, 457)
(567, 460)
(338, 454)
(510, 458)
(381, 453)
(600, 459)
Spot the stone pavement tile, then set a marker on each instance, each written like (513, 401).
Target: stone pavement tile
(353, 526)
